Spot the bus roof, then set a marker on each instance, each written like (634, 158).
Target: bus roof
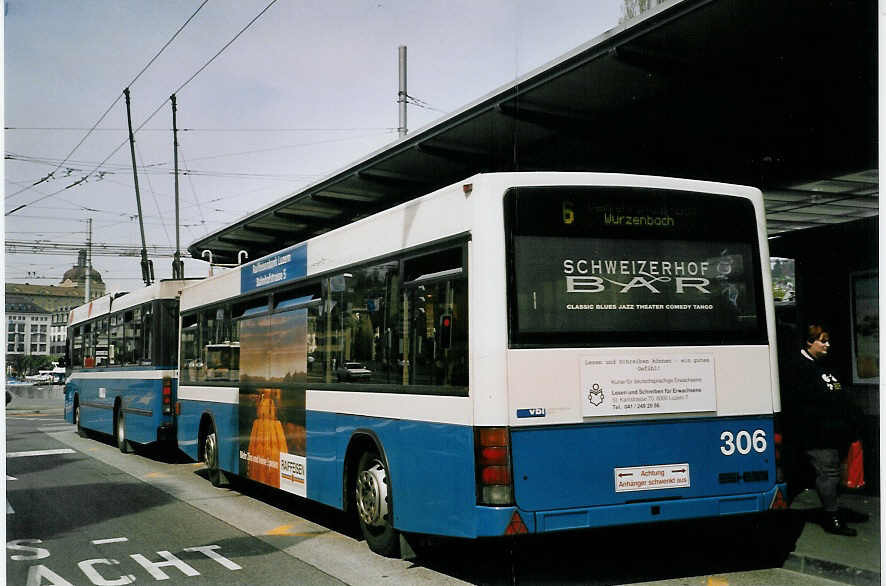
(164, 289)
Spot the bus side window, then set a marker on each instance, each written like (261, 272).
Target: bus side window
(222, 353)
(147, 323)
(115, 340)
(190, 345)
(128, 339)
(101, 342)
(77, 347)
(88, 346)
(435, 325)
(351, 339)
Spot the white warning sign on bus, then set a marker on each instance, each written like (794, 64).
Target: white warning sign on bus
(641, 384)
(652, 477)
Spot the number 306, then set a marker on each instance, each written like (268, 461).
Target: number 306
(743, 442)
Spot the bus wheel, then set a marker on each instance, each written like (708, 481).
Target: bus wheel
(373, 497)
(120, 433)
(80, 431)
(210, 458)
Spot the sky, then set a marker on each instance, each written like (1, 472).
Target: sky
(309, 87)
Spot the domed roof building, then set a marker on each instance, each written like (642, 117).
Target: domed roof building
(76, 277)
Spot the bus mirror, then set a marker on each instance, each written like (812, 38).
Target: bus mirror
(445, 331)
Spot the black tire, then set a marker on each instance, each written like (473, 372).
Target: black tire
(80, 431)
(373, 500)
(210, 457)
(120, 432)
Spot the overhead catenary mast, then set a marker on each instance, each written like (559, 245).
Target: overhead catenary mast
(147, 265)
(401, 94)
(87, 293)
(178, 266)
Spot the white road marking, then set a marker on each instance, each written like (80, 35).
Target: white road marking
(9, 509)
(111, 540)
(40, 453)
(8, 477)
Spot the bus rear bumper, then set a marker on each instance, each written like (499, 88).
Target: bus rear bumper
(496, 521)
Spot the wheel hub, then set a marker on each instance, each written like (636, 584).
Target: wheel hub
(209, 451)
(372, 495)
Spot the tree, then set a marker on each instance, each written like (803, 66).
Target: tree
(634, 8)
(24, 365)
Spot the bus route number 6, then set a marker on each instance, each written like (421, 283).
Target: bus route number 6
(743, 441)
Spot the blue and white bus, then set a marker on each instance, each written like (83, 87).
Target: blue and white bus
(517, 353)
(122, 352)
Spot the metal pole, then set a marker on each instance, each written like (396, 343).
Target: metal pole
(146, 264)
(87, 293)
(178, 266)
(401, 94)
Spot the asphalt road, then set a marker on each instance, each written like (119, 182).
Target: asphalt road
(72, 518)
(80, 512)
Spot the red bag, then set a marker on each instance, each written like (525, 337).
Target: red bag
(855, 466)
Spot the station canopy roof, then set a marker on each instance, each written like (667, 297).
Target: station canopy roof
(771, 93)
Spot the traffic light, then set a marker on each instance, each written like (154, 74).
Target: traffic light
(445, 331)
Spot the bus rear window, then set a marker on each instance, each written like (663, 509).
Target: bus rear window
(599, 266)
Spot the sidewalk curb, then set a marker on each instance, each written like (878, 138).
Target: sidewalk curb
(805, 564)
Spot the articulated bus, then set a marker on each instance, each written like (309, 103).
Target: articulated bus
(122, 352)
(517, 353)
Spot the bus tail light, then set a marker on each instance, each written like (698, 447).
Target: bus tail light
(778, 447)
(495, 485)
(167, 396)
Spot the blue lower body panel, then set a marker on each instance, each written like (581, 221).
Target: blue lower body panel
(431, 469)
(139, 400)
(223, 417)
(557, 485)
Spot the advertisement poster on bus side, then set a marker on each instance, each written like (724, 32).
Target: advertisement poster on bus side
(643, 384)
(273, 365)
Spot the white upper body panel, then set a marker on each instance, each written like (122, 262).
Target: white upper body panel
(742, 379)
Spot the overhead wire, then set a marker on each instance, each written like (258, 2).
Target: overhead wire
(154, 196)
(149, 118)
(306, 129)
(191, 184)
(114, 103)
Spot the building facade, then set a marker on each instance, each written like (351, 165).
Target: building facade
(27, 329)
(37, 315)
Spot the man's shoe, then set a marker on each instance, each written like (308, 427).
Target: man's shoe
(849, 516)
(833, 524)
